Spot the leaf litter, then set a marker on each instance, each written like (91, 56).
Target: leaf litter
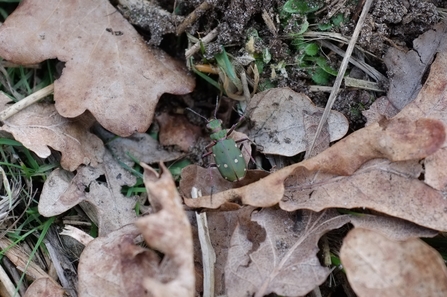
(259, 250)
(114, 265)
(109, 70)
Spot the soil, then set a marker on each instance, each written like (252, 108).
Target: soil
(390, 23)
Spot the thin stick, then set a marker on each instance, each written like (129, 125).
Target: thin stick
(193, 16)
(25, 102)
(208, 254)
(340, 75)
(195, 48)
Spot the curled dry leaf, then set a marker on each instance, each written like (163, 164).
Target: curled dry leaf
(378, 266)
(177, 130)
(276, 251)
(279, 121)
(397, 139)
(44, 287)
(392, 228)
(222, 225)
(140, 146)
(408, 68)
(210, 181)
(390, 188)
(431, 102)
(115, 266)
(104, 203)
(109, 69)
(39, 127)
(168, 231)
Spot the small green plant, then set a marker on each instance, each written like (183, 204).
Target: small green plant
(308, 54)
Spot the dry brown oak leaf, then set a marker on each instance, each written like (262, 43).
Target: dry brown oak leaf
(39, 127)
(276, 253)
(168, 231)
(333, 178)
(114, 265)
(109, 70)
(96, 189)
(378, 266)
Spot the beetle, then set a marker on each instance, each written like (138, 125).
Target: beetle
(227, 155)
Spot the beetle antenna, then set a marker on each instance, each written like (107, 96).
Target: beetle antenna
(217, 107)
(196, 113)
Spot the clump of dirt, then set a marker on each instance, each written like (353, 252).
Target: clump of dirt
(396, 23)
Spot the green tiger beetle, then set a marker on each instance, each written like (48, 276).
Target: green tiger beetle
(226, 153)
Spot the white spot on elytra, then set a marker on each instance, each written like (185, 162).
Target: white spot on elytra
(225, 165)
(245, 169)
(236, 160)
(218, 165)
(214, 155)
(235, 145)
(240, 156)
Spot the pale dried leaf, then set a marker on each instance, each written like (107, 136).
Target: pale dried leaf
(168, 231)
(177, 130)
(139, 145)
(396, 139)
(114, 266)
(406, 69)
(431, 102)
(209, 180)
(276, 253)
(109, 69)
(44, 287)
(380, 110)
(278, 117)
(39, 127)
(392, 228)
(390, 188)
(377, 266)
(222, 225)
(105, 204)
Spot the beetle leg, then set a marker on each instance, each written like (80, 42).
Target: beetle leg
(206, 154)
(210, 145)
(235, 125)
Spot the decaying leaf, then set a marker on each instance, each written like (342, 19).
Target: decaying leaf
(407, 68)
(44, 287)
(115, 266)
(104, 203)
(140, 146)
(177, 130)
(39, 127)
(209, 180)
(109, 69)
(392, 188)
(276, 251)
(392, 228)
(222, 225)
(168, 231)
(378, 266)
(279, 121)
(397, 139)
(431, 102)
(381, 109)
